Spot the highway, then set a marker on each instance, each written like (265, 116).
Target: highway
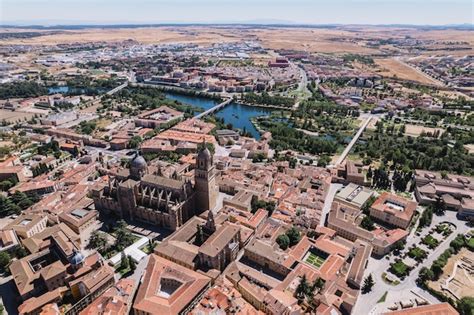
(353, 141)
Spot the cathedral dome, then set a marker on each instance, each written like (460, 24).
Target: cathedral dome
(77, 258)
(138, 163)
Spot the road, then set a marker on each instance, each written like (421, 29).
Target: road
(302, 90)
(118, 88)
(8, 295)
(214, 109)
(367, 303)
(353, 141)
(140, 269)
(333, 188)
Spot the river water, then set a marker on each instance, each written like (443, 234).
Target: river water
(236, 114)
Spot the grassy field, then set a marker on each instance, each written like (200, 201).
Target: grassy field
(400, 269)
(417, 253)
(430, 241)
(383, 297)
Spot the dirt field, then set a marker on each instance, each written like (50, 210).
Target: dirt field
(343, 39)
(462, 284)
(415, 130)
(143, 35)
(313, 40)
(16, 116)
(392, 67)
(371, 125)
(469, 148)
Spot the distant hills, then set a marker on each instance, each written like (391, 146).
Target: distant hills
(252, 23)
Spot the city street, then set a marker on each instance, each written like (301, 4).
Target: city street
(8, 294)
(328, 201)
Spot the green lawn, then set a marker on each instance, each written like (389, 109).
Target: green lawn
(122, 271)
(146, 249)
(417, 253)
(399, 269)
(315, 260)
(440, 228)
(383, 297)
(430, 241)
(471, 243)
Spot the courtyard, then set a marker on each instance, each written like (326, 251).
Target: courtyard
(315, 258)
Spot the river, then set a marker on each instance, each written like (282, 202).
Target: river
(236, 114)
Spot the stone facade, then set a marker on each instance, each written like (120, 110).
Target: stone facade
(205, 181)
(157, 199)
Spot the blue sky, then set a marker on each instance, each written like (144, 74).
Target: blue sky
(434, 12)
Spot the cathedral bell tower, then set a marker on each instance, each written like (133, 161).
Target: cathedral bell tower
(205, 180)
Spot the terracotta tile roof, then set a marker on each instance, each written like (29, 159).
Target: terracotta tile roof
(384, 204)
(34, 304)
(53, 270)
(152, 300)
(114, 301)
(185, 136)
(435, 309)
(219, 239)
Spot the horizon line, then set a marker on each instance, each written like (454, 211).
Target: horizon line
(12, 24)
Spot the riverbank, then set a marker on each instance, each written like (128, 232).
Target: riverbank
(273, 107)
(180, 90)
(214, 96)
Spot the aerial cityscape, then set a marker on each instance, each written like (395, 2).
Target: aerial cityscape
(196, 157)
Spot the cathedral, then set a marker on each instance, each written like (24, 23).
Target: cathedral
(156, 199)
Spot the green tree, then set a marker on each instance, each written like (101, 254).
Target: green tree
(318, 283)
(4, 260)
(302, 288)
(458, 243)
(124, 263)
(424, 275)
(367, 223)
(368, 204)
(97, 240)
(283, 241)
(293, 235)
(135, 142)
(5, 185)
(21, 199)
(5, 206)
(439, 206)
(20, 252)
(199, 235)
(123, 236)
(324, 160)
(465, 305)
(151, 245)
(131, 263)
(368, 284)
(426, 217)
(399, 246)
